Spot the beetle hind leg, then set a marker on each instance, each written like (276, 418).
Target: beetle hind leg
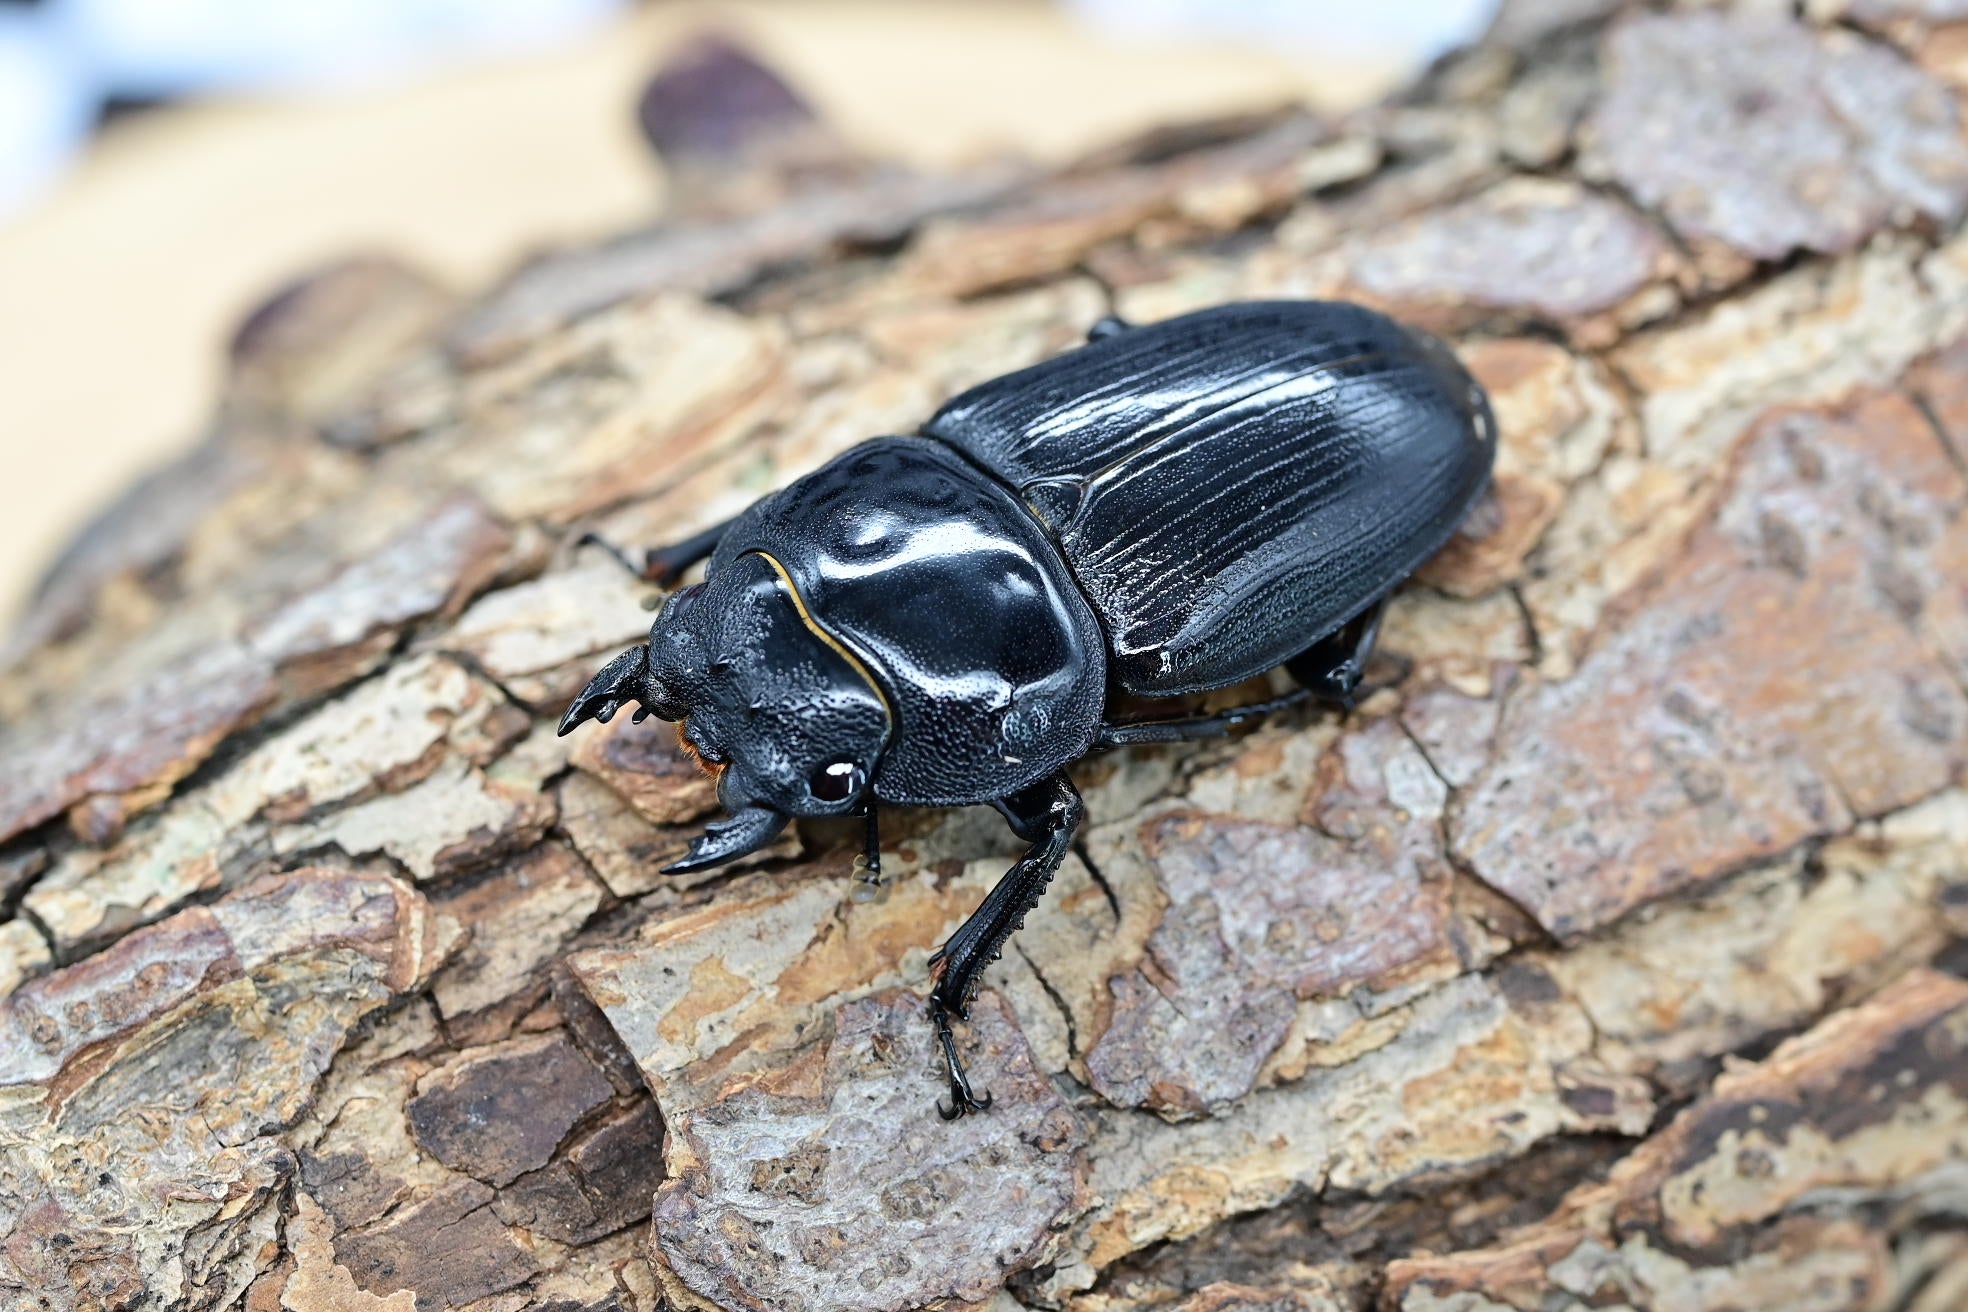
(1107, 325)
(1331, 668)
(963, 1100)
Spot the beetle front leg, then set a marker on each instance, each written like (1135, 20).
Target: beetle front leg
(1045, 815)
(663, 566)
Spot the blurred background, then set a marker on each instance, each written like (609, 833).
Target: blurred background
(164, 164)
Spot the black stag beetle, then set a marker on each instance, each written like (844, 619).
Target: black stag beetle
(942, 620)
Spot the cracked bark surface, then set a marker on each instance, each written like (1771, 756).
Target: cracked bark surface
(1609, 955)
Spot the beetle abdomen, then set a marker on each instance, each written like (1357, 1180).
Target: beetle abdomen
(1232, 485)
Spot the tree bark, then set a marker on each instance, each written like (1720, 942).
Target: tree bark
(1607, 955)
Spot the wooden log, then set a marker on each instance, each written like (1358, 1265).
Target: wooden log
(1609, 954)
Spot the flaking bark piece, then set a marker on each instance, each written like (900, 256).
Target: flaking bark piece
(829, 1182)
(319, 342)
(501, 1111)
(1759, 136)
(1556, 419)
(386, 735)
(540, 638)
(120, 751)
(602, 1182)
(708, 258)
(1775, 680)
(1546, 251)
(1262, 916)
(1716, 1211)
(178, 1056)
(522, 914)
(451, 1249)
(646, 766)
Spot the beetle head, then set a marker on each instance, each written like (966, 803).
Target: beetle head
(788, 721)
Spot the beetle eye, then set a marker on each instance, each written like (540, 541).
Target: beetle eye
(836, 782)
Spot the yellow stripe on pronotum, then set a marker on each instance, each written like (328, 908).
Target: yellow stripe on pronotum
(806, 618)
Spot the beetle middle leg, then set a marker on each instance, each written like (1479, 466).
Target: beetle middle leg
(1045, 815)
(663, 566)
(1329, 670)
(1194, 727)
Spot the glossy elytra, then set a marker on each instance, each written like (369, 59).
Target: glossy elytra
(944, 619)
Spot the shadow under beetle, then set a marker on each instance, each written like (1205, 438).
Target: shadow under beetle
(940, 620)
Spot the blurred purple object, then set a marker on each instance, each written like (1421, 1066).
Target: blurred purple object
(714, 98)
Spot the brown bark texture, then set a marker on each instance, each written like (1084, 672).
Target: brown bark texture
(1609, 955)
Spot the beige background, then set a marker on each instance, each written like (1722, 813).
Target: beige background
(117, 292)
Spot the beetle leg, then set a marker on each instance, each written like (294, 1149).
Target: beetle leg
(615, 553)
(963, 1099)
(1045, 815)
(1110, 736)
(665, 565)
(662, 566)
(1331, 668)
(1107, 325)
(867, 866)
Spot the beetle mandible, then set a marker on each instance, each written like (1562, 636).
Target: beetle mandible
(942, 619)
